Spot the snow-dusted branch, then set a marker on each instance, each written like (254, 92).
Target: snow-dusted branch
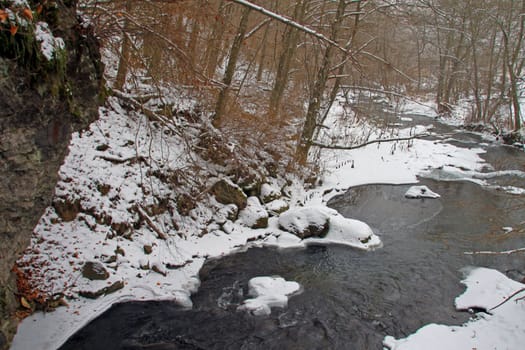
(504, 252)
(361, 145)
(290, 22)
(257, 28)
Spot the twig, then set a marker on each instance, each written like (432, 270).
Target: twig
(142, 213)
(508, 298)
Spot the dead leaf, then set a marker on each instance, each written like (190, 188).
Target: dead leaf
(13, 29)
(27, 14)
(39, 9)
(25, 303)
(3, 16)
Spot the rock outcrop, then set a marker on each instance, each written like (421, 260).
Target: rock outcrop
(41, 104)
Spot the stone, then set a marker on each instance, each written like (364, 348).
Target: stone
(226, 192)
(306, 222)
(269, 193)
(103, 291)
(93, 270)
(277, 207)
(228, 212)
(148, 249)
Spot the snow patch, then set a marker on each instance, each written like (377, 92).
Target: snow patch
(502, 328)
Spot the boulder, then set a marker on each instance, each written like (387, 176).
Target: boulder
(90, 294)
(306, 222)
(269, 193)
(226, 192)
(93, 270)
(277, 207)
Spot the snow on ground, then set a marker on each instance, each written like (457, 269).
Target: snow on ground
(420, 107)
(111, 172)
(268, 292)
(393, 163)
(502, 327)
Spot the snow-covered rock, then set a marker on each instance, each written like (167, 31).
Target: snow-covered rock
(254, 215)
(269, 193)
(226, 192)
(322, 225)
(350, 232)
(307, 222)
(277, 207)
(268, 292)
(421, 192)
(228, 212)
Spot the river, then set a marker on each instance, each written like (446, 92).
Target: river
(351, 299)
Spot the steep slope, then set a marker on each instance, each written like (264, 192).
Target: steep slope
(48, 91)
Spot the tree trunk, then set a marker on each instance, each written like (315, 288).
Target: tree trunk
(214, 46)
(310, 124)
(340, 71)
(125, 54)
(290, 39)
(230, 69)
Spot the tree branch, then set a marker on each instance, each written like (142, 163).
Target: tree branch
(142, 213)
(290, 22)
(341, 147)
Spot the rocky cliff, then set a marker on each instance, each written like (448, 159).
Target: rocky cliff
(43, 100)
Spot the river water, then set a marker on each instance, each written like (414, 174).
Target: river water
(351, 299)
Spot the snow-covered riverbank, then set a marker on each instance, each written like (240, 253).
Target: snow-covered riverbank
(145, 266)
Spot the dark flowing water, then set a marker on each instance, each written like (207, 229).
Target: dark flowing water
(351, 298)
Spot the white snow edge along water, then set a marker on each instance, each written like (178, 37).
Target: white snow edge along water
(268, 292)
(502, 327)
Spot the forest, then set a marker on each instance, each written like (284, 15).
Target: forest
(279, 66)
